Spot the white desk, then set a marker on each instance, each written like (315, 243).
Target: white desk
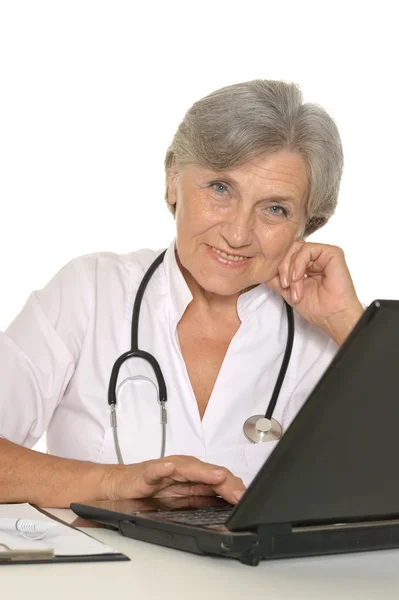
(164, 574)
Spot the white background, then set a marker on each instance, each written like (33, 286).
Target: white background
(92, 92)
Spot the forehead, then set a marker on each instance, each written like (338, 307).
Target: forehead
(282, 173)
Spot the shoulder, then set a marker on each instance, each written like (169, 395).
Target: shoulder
(81, 283)
(136, 261)
(91, 270)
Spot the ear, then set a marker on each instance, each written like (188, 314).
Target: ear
(172, 183)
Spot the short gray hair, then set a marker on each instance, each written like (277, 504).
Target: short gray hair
(240, 122)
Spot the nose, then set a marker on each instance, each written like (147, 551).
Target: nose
(238, 228)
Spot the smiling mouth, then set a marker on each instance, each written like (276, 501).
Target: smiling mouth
(234, 257)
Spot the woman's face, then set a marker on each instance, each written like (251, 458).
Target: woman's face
(234, 227)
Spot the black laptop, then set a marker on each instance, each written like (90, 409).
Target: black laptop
(331, 484)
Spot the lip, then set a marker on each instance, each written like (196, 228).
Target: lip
(222, 260)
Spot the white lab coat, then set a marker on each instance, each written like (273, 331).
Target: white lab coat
(56, 359)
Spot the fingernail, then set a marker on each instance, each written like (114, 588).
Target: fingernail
(167, 465)
(238, 494)
(285, 282)
(294, 295)
(218, 472)
(294, 276)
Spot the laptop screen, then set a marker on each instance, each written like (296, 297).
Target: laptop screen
(339, 459)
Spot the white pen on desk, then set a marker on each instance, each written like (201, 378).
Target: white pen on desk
(36, 529)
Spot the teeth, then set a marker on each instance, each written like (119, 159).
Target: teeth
(229, 256)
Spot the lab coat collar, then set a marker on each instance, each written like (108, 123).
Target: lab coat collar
(180, 295)
(253, 300)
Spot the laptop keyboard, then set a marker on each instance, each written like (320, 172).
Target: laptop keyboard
(210, 516)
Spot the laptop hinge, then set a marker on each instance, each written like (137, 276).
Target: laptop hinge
(343, 525)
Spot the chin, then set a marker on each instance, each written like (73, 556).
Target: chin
(222, 288)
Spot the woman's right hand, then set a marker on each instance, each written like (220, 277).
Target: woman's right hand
(172, 476)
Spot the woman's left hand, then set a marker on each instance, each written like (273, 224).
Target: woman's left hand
(315, 280)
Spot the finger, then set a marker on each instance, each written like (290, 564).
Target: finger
(155, 472)
(315, 259)
(302, 263)
(231, 490)
(160, 475)
(221, 480)
(197, 471)
(275, 284)
(296, 283)
(206, 501)
(186, 491)
(207, 497)
(285, 270)
(285, 265)
(296, 289)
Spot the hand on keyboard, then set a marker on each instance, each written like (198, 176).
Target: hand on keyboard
(172, 476)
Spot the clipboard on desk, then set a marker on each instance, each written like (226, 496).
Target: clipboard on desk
(27, 557)
(64, 544)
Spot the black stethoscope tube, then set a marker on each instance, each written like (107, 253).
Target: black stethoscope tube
(285, 363)
(256, 428)
(134, 351)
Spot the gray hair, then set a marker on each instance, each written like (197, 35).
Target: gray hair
(240, 122)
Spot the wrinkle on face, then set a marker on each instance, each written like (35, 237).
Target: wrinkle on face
(241, 221)
(277, 177)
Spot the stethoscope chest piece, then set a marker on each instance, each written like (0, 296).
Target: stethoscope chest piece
(259, 429)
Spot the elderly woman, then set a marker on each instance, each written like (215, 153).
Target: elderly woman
(251, 172)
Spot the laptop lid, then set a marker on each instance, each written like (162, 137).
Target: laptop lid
(339, 459)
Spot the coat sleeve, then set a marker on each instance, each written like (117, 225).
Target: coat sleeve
(40, 350)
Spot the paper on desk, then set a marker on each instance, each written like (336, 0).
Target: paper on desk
(64, 540)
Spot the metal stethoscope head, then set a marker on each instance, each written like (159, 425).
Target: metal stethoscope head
(263, 428)
(257, 429)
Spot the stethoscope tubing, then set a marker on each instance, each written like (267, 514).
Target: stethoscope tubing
(134, 352)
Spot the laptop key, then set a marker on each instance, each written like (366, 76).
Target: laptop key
(209, 516)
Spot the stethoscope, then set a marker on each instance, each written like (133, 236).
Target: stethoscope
(257, 429)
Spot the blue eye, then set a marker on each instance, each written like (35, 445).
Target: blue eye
(219, 187)
(278, 210)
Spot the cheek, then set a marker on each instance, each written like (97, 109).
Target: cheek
(194, 212)
(276, 242)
